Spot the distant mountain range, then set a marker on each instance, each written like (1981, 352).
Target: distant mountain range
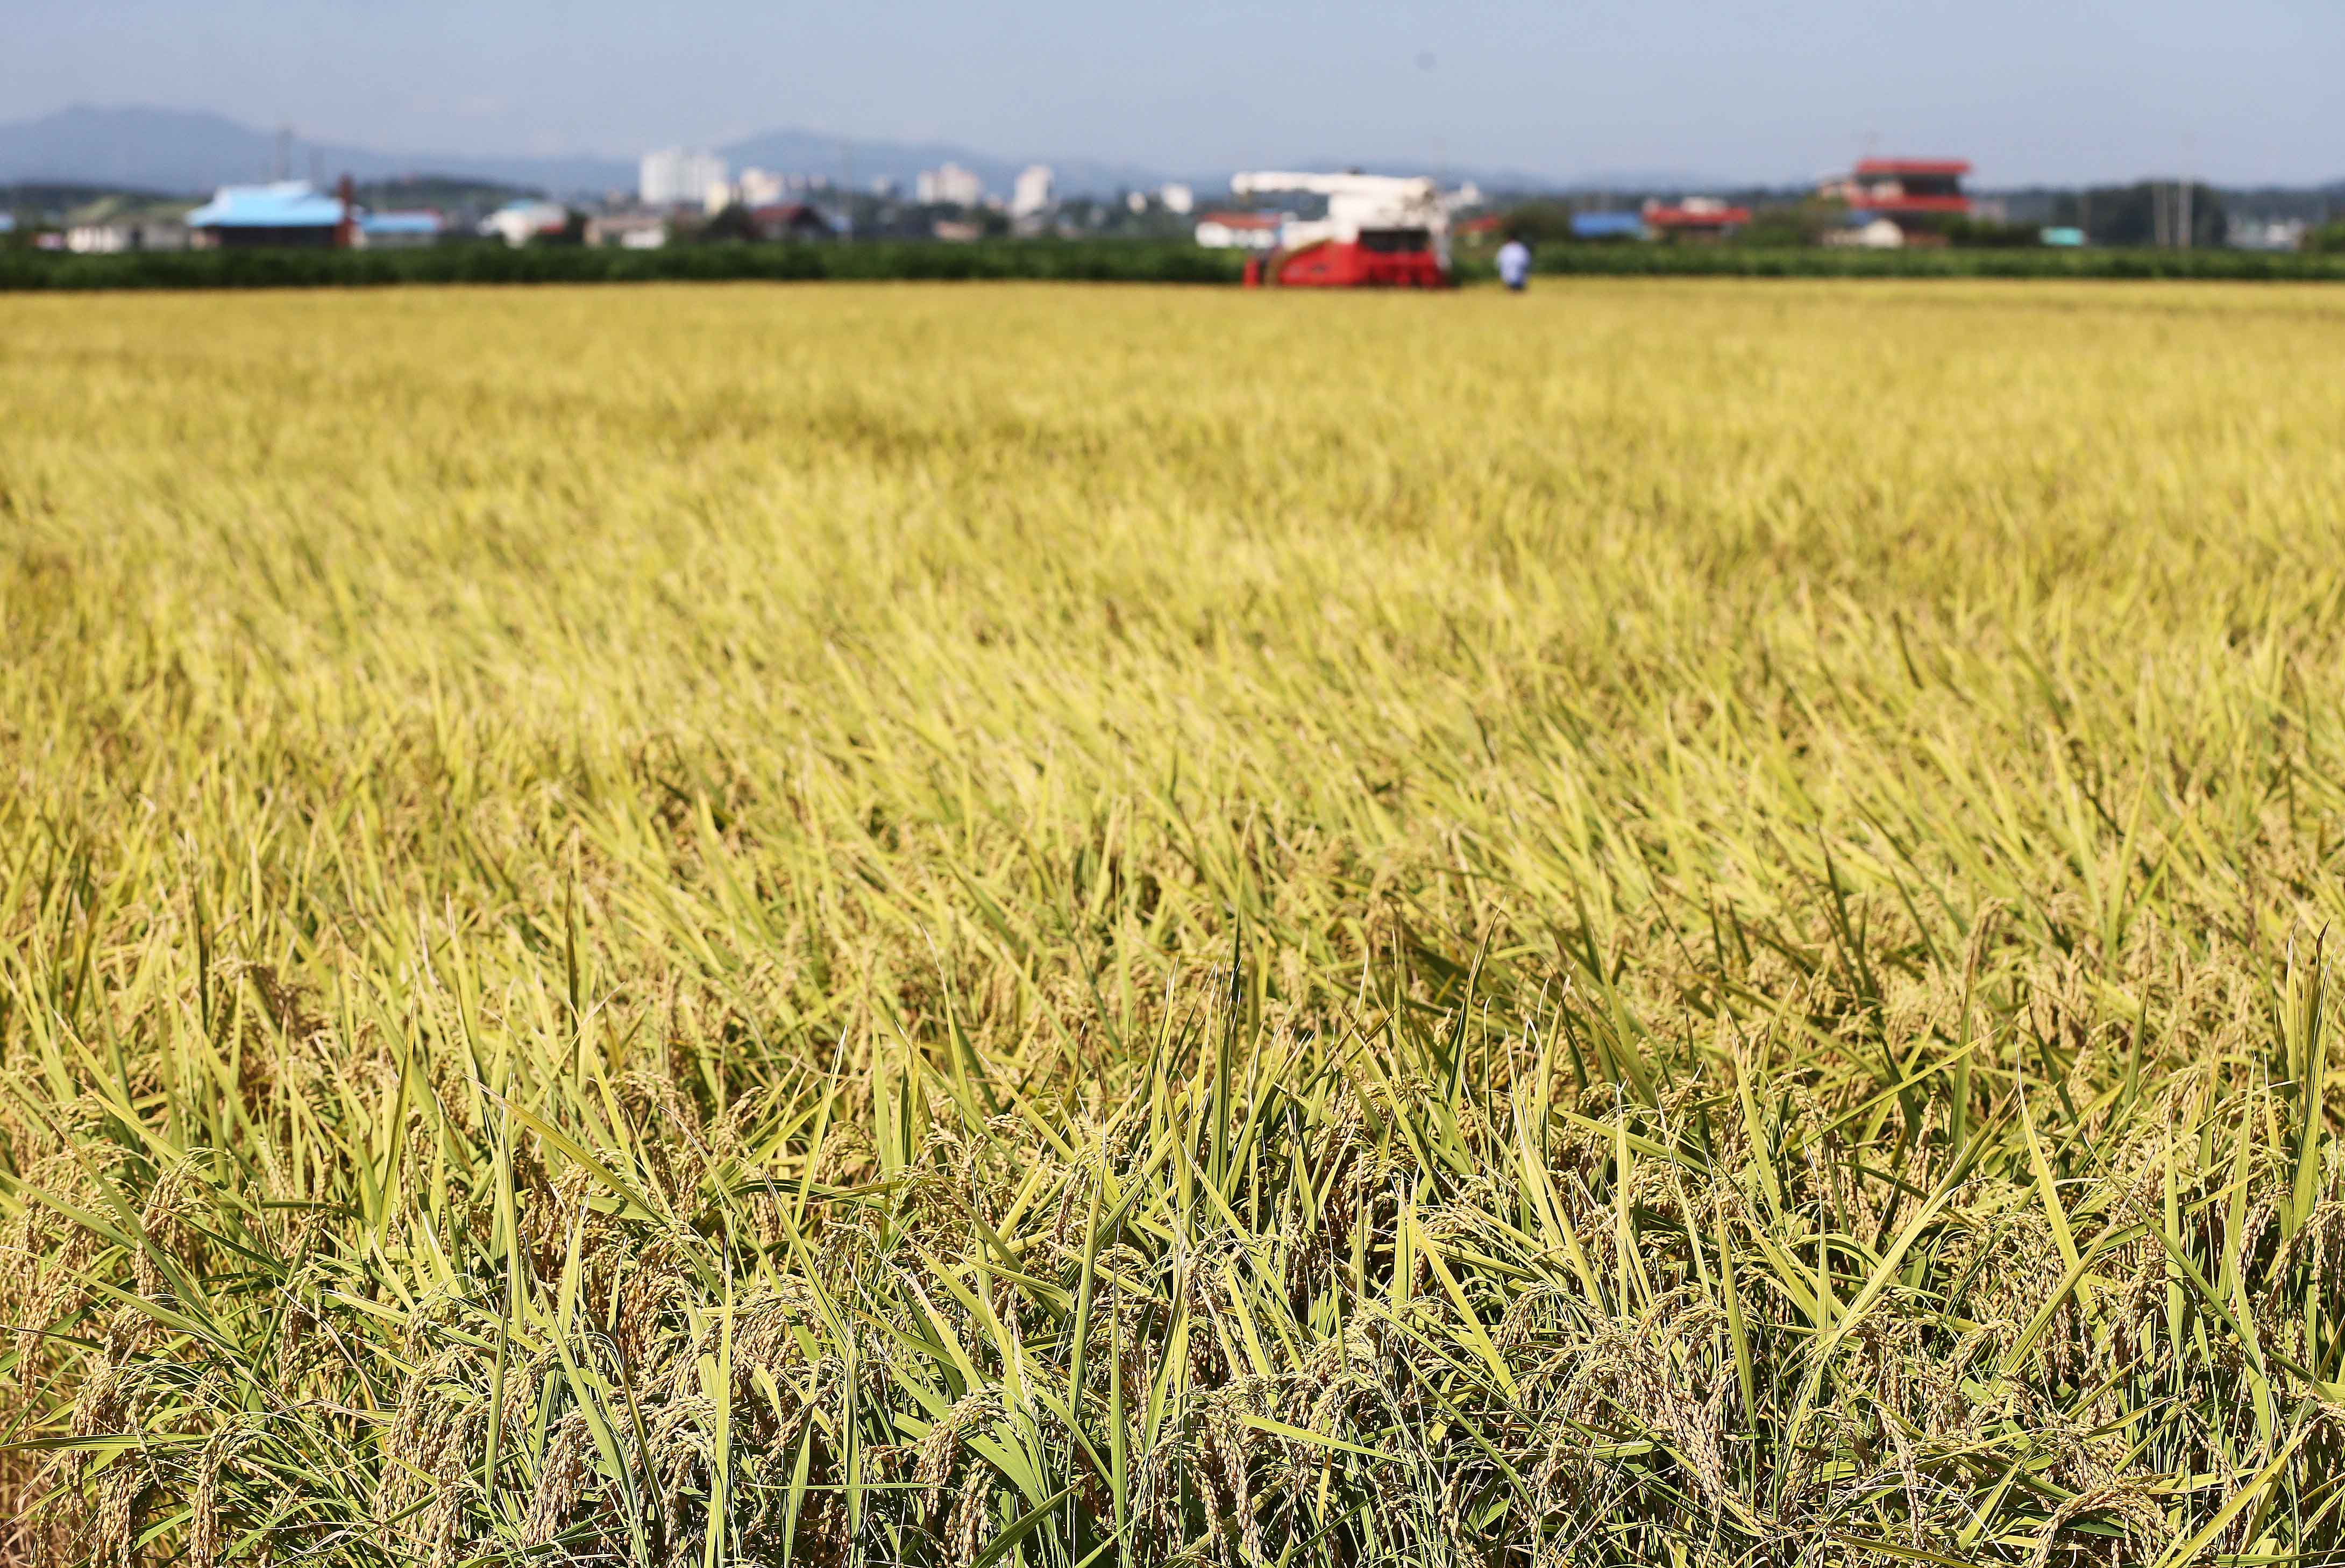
(192, 151)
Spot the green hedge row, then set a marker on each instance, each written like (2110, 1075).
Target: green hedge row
(1089, 261)
(1737, 261)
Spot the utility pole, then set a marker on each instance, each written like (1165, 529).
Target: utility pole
(2184, 195)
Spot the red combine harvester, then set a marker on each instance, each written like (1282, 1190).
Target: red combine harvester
(1381, 231)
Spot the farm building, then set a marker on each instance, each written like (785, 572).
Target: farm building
(628, 230)
(399, 231)
(1608, 226)
(116, 235)
(1239, 231)
(286, 213)
(1867, 233)
(792, 220)
(1919, 196)
(1695, 217)
(519, 222)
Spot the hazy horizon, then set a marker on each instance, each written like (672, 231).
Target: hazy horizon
(1730, 91)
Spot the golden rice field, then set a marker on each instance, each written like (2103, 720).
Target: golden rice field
(1667, 923)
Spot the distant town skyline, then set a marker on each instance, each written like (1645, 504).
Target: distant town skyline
(1718, 90)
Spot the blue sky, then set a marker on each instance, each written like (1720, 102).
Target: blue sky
(2064, 90)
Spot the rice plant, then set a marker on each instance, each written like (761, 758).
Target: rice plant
(1666, 923)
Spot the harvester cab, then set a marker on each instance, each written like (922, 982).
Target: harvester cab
(1382, 231)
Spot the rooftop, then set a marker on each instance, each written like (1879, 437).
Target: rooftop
(1696, 212)
(400, 223)
(1600, 225)
(288, 203)
(1955, 168)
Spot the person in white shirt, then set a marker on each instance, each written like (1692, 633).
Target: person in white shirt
(1514, 263)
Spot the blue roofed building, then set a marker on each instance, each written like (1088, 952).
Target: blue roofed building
(1608, 225)
(288, 213)
(399, 231)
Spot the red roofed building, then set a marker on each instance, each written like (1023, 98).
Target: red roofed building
(1903, 187)
(1695, 217)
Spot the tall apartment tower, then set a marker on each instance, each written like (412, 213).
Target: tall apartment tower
(949, 186)
(675, 178)
(1034, 192)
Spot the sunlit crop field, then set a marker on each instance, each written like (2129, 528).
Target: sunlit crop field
(1665, 922)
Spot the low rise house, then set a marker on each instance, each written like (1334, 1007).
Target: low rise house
(628, 230)
(792, 220)
(288, 213)
(399, 231)
(121, 233)
(2265, 233)
(1695, 217)
(1240, 231)
(1920, 196)
(1609, 226)
(1903, 187)
(519, 222)
(1868, 234)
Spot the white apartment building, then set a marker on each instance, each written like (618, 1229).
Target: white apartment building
(1034, 194)
(1178, 200)
(675, 178)
(950, 185)
(759, 189)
